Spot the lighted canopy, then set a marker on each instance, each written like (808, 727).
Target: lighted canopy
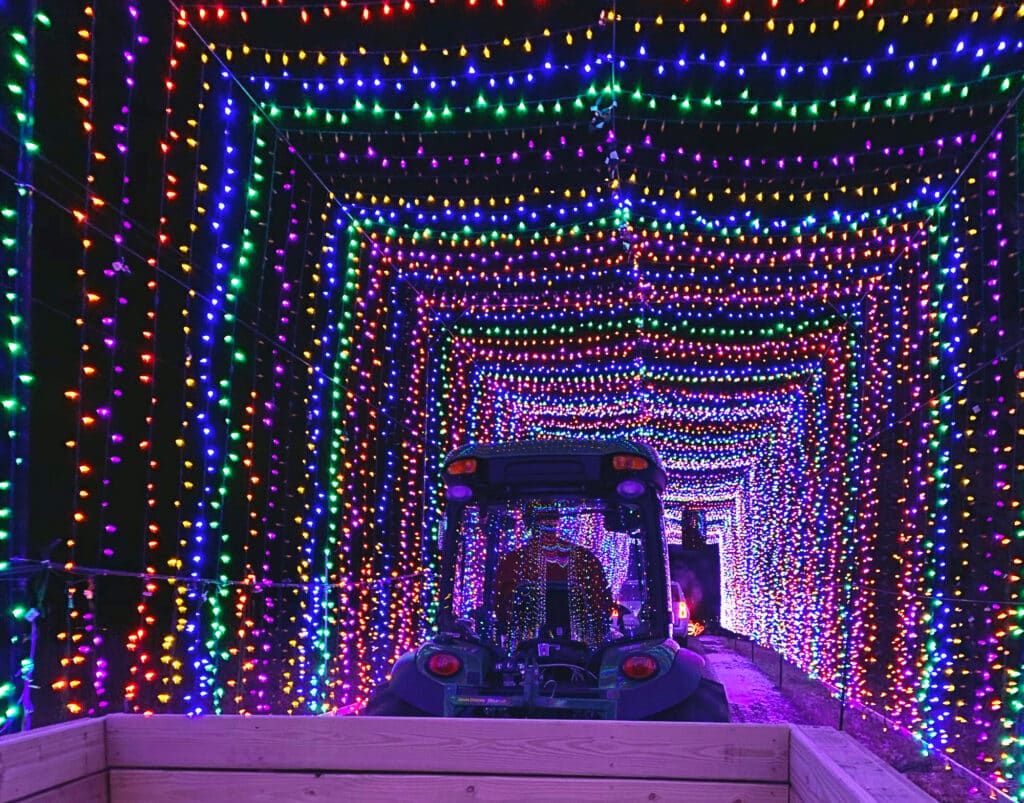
(319, 244)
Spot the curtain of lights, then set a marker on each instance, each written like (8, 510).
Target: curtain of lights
(19, 596)
(294, 252)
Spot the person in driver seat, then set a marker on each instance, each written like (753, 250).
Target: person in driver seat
(552, 588)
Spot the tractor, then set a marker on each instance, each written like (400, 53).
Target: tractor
(554, 591)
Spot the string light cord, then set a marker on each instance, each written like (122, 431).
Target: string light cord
(786, 107)
(368, 52)
(785, 103)
(546, 100)
(441, 132)
(258, 333)
(166, 274)
(332, 195)
(907, 11)
(354, 4)
(922, 233)
(66, 178)
(751, 18)
(855, 325)
(751, 179)
(652, 118)
(809, 66)
(784, 169)
(86, 572)
(936, 751)
(99, 230)
(995, 603)
(764, 63)
(407, 83)
(265, 116)
(265, 338)
(28, 663)
(916, 408)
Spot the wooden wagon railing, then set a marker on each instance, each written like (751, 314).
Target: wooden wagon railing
(231, 759)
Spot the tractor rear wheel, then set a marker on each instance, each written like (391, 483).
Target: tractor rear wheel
(707, 704)
(385, 703)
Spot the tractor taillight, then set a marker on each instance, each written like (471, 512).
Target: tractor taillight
(465, 466)
(639, 667)
(684, 609)
(443, 664)
(629, 462)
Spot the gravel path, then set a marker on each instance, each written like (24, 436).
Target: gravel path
(753, 697)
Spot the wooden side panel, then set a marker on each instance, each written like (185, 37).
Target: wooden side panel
(667, 750)
(165, 786)
(828, 765)
(90, 789)
(39, 760)
(794, 797)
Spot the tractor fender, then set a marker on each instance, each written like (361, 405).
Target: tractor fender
(415, 687)
(413, 684)
(647, 698)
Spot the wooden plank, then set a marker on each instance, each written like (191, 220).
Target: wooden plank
(90, 789)
(828, 765)
(813, 775)
(33, 762)
(693, 751)
(165, 786)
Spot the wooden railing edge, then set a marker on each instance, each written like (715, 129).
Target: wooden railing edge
(828, 764)
(465, 746)
(818, 760)
(35, 763)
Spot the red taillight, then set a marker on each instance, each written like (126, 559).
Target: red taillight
(639, 667)
(629, 462)
(443, 664)
(465, 466)
(684, 610)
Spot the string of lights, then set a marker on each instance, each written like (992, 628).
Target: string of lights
(787, 258)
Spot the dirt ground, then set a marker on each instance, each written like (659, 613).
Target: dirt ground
(751, 677)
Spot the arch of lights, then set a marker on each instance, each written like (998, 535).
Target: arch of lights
(789, 260)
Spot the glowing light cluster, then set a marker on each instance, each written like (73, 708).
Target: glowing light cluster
(795, 275)
(18, 610)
